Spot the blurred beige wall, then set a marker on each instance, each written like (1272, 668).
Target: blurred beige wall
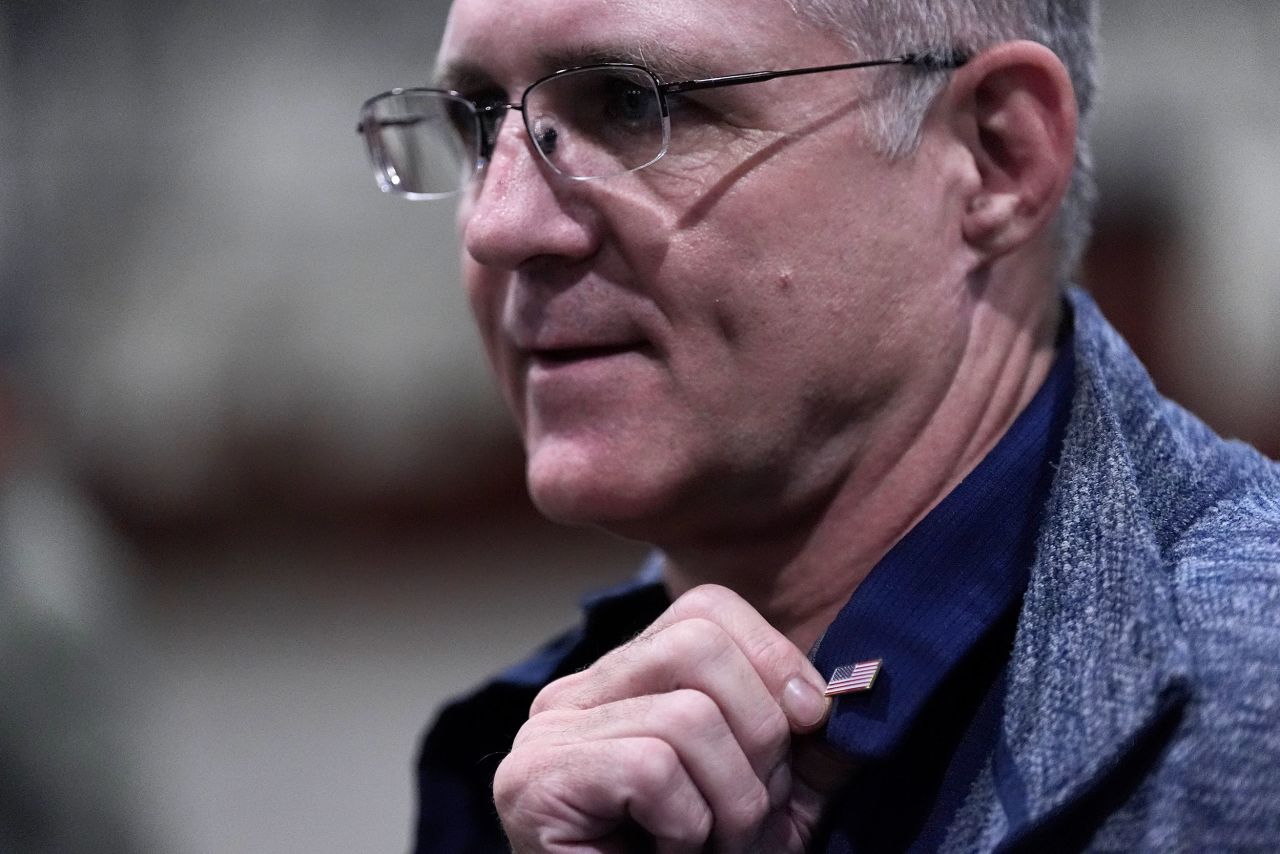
(255, 377)
(1189, 152)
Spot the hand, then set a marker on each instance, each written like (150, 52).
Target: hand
(687, 736)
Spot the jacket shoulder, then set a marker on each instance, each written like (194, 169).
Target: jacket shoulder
(1207, 501)
(1208, 512)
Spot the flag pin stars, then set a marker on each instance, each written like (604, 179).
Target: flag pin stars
(853, 678)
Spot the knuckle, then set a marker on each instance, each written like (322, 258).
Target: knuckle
(653, 765)
(688, 710)
(554, 694)
(706, 599)
(539, 725)
(656, 773)
(527, 732)
(510, 780)
(700, 827)
(530, 794)
(693, 639)
(542, 702)
(776, 656)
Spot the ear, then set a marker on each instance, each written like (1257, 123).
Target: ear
(1014, 109)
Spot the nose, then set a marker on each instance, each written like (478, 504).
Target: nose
(520, 210)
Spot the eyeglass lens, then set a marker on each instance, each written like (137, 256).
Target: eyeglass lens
(423, 144)
(596, 122)
(587, 123)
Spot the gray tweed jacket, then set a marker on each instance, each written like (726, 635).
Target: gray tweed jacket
(1143, 704)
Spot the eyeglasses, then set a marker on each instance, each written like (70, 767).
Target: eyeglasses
(595, 121)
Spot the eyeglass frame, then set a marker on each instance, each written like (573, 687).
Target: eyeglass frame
(938, 60)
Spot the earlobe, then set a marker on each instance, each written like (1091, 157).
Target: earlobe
(1015, 110)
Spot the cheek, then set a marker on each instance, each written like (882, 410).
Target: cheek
(486, 295)
(785, 308)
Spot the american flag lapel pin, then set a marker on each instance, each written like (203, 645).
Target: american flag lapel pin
(853, 678)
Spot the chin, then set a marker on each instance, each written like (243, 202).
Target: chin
(604, 493)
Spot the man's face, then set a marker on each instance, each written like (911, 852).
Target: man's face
(712, 342)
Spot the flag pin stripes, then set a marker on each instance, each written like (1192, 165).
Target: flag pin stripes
(853, 678)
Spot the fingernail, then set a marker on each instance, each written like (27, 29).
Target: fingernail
(803, 703)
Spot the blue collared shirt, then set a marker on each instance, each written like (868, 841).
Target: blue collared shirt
(940, 609)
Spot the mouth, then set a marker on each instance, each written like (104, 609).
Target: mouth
(561, 356)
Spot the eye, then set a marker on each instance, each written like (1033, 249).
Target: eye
(628, 101)
(545, 135)
(597, 120)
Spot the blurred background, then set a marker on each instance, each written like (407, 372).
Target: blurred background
(260, 509)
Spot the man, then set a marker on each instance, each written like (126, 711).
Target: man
(806, 333)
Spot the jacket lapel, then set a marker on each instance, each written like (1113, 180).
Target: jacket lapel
(1100, 663)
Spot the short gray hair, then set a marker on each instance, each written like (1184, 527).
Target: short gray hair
(892, 27)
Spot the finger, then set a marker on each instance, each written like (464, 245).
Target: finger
(692, 654)
(693, 725)
(580, 797)
(786, 673)
(785, 670)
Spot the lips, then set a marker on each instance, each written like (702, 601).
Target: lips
(588, 323)
(554, 356)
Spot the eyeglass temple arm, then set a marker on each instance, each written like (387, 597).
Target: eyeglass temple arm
(928, 60)
(940, 60)
(408, 121)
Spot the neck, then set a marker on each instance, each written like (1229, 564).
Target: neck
(800, 572)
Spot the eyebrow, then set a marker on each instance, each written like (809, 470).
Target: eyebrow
(462, 76)
(664, 61)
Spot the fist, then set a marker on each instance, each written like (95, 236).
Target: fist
(690, 737)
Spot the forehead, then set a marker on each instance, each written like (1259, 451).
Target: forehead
(524, 39)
